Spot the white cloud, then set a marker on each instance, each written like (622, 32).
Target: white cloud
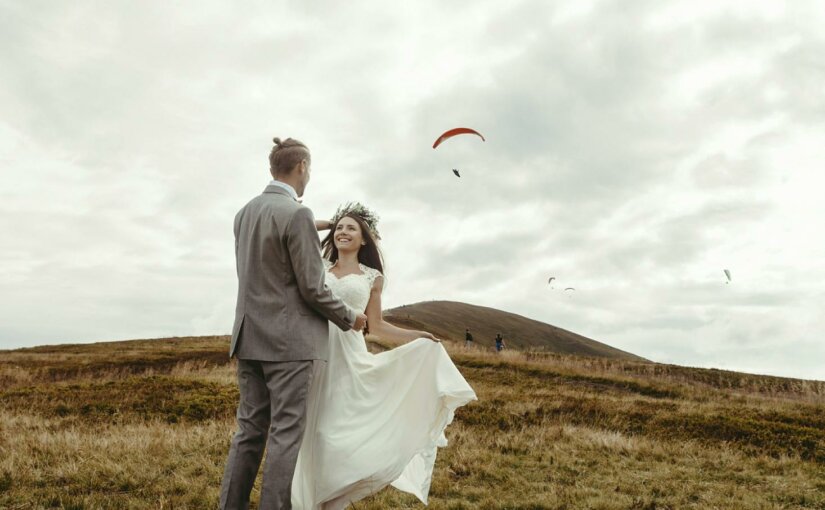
(633, 151)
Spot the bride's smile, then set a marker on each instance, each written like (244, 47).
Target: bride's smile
(348, 235)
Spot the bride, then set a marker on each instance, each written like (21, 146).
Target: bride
(372, 419)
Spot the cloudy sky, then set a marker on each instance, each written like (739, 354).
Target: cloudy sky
(634, 150)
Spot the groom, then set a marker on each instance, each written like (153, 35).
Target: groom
(280, 330)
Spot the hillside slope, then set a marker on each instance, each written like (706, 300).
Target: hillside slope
(448, 319)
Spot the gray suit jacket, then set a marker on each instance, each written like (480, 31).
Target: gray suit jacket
(283, 302)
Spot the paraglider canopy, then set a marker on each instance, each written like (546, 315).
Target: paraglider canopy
(456, 131)
(551, 279)
(727, 273)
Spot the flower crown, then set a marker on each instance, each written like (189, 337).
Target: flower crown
(360, 210)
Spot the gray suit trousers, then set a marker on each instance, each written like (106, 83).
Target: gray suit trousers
(271, 414)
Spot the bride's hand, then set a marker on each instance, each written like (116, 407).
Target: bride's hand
(425, 334)
(322, 225)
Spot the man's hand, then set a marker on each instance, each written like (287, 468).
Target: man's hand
(360, 322)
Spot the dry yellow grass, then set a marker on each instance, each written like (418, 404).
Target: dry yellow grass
(147, 425)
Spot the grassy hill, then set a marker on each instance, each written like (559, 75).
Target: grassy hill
(448, 319)
(147, 424)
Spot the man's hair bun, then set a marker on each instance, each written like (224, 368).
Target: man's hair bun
(285, 155)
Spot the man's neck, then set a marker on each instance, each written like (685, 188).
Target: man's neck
(292, 185)
(291, 182)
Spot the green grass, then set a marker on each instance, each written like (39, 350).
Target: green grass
(126, 400)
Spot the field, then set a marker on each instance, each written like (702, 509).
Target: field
(147, 424)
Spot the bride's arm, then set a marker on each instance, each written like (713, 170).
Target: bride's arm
(322, 225)
(384, 330)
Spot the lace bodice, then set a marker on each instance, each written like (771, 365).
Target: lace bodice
(353, 289)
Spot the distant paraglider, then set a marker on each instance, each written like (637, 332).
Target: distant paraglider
(569, 288)
(550, 281)
(456, 131)
(727, 273)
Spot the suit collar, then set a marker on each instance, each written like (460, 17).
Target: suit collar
(272, 188)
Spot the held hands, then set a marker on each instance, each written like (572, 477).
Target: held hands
(360, 322)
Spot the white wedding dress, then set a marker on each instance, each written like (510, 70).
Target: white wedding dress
(374, 419)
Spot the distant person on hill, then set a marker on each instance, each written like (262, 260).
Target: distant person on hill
(468, 338)
(499, 343)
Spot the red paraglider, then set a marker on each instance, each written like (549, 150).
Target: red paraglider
(457, 131)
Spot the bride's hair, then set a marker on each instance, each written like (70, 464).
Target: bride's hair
(369, 254)
(285, 155)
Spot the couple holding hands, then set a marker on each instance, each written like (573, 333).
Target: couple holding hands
(338, 422)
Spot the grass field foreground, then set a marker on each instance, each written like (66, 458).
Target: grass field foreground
(147, 424)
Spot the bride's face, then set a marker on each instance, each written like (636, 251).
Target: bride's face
(348, 235)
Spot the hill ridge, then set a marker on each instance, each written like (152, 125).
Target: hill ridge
(448, 319)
